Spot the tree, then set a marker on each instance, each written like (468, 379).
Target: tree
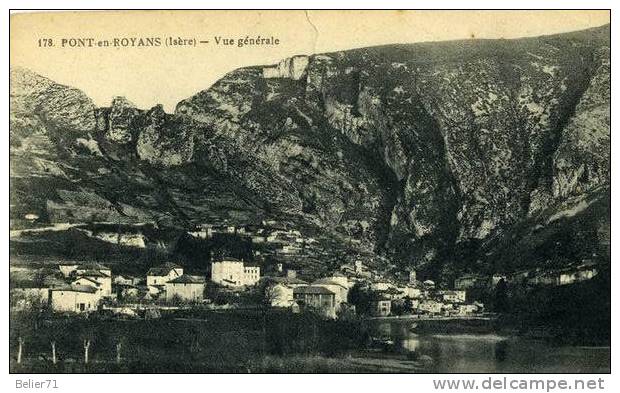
(87, 339)
(360, 298)
(20, 341)
(268, 293)
(398, 307)
(501, 303)
(119, 346)
(408, 305)
(53, 343)
(55, 332)
(86, 344)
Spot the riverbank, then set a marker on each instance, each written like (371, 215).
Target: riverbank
(480, 324)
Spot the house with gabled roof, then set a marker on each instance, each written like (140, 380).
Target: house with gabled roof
(160, 275)
(453, 296)
(87, 281)
(96, 278)
(75, 298)
(93, 266)
(185, 288)
(317, 298)
(337, 286)
(279, 290)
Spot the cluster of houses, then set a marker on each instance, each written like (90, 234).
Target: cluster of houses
(330, 295)
(269, 232)
(82, 287)
(586, 270)
(269, 238)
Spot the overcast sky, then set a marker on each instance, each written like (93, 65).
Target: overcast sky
(148, 76)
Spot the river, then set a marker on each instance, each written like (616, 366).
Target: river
(491, 353)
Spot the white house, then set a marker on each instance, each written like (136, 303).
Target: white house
(279, 290)
(317, 298)
(251, 274)
(125, 280)
(186, 288)
(232, 272)
(87, 282)
(336, 285)
(97, 279)
(430, 306)
(382, 307)
(160, 275)
(410, 291)
(380, 285)
(75, 298)
(456, 296)
(580, 273)
(467, 309)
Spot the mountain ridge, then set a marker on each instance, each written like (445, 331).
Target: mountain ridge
(411, 150)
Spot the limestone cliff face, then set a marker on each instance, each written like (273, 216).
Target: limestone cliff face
(475, 135)
(44, 117)
(292, 68)
(165, 140)
(409, 151)
(64, 108)
(118, 121)
(581, 161)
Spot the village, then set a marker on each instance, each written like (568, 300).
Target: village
(352, 288)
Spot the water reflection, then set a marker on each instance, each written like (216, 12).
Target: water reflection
(489, 353)
(410, 344)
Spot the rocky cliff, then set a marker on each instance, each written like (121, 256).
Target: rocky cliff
(417, 152)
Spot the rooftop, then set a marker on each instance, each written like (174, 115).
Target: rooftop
(88, 279)
(92, 266)
(162, 270)
(187, 279)
(77, 288)
(310, 289)
(229, 259)
(286, 280)
(92, 273)
(328, 281)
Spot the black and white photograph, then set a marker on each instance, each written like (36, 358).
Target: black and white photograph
(309, 192)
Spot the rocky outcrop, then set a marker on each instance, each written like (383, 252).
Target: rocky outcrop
(291, 68)
(165, 139)
(406, 151)
(582, 159)
(476, 135)
(65, 108)
(118, 121)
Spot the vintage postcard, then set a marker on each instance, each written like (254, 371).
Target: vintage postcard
(310, 192)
